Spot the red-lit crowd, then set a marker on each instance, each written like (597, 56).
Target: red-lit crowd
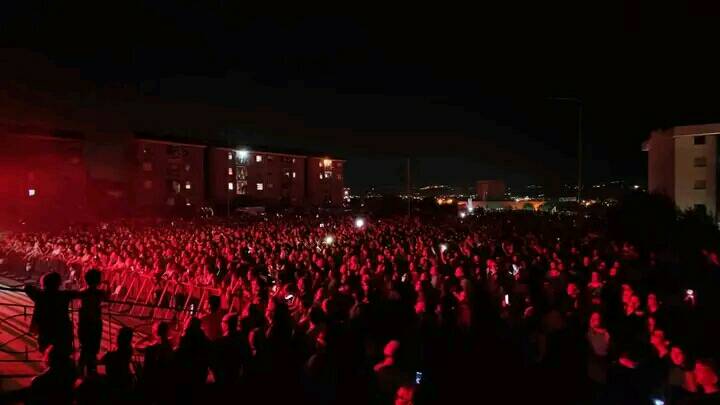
(505, 307)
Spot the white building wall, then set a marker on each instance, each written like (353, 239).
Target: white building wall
(687, 173)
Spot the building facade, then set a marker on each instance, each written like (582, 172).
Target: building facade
(683, 165)
(325, 183)
(43, 178)
(256, 177)
(166, 174)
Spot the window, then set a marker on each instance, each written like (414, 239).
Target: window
(229, 155)
(700, 162)
(321, 176)
(294, 174)
(287, 174)
(699, 140)
(259, 186)
(188, 186)
(231, 186)
(339, 176)
(147, 166)
(229, 171)
(147, 184)
(31, 192)
(176, 186)
(293, 160)
(187, 167)
(270, 185)
(699, 185)
(258, 158)
(319, 164)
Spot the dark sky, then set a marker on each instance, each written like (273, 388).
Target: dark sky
(465, 92)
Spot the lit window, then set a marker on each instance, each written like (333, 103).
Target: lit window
(229, 171)
(147, 184)
(147, 166)
(699, 185)
(258, 158)
(259, 186)
(229, 155)
(31, 192)
(231, 186)
(176, 186)
(321, 176)
(700, 162)
(699, 140)
(319, 164)
(293, 160)
(327, 163)
(187, 167)
(188, 186)
(287, 174)
(294, 175)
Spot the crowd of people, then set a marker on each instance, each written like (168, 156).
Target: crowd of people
(508, 307)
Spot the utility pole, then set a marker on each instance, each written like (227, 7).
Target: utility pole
(580, 152)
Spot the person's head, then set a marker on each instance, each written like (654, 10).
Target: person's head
(53, 357)
(652, 301)
(572, 290)
(405, 395)
(420, 306)
(706, 373)
(596, 320)
(391, 349)
(160, 330)
(230, 323)
(124, 338)
(459, 272)
(214, 303)
(657, 339)
(677, 356)
(93, 277)
(51, 281)
(595, 277)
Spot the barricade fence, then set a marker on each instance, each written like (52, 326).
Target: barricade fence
(136, 300)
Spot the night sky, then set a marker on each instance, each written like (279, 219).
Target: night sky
(466, 93)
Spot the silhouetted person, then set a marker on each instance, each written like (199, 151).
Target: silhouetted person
(389, 375)
(156, 378)
(90, 322)
(55, 384)
(229, 353)
(212, 321)
(192, 360)
(118, 367)
(51, 319)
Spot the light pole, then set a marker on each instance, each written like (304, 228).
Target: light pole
(579, 105)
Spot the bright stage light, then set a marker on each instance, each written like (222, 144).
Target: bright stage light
(329, 240)
(359, 223)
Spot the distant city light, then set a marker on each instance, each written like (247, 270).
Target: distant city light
(31, 192)
(329, 240)
(636, 187)
(359, 223)
(242, 154)
(462, 215)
